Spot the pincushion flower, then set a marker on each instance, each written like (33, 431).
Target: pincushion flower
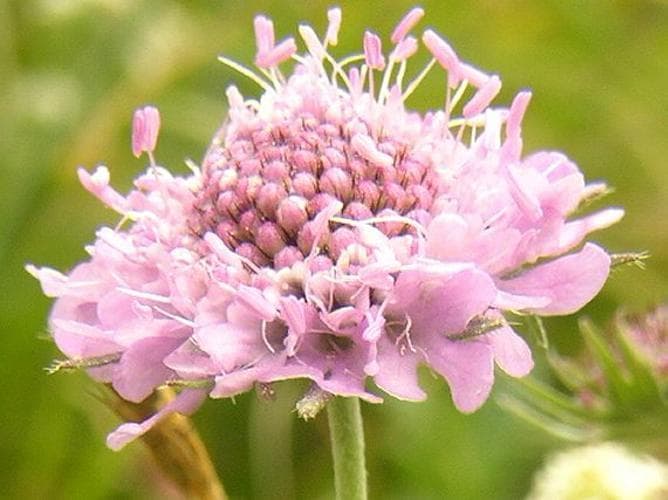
(331, 233)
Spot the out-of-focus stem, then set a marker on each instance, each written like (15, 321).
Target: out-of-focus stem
(175, 446)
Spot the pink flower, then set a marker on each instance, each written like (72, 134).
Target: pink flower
(332, 234)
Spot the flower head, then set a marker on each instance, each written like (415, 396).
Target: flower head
(335, 235)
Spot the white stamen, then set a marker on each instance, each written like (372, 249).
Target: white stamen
(240, 68)
(265, 339)
(144, 295)
(180, 319)
(457, 96)
(384, 86)
(418, 79)
(381, 219)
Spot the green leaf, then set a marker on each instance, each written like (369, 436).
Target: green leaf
(570, 432)
(620, 390)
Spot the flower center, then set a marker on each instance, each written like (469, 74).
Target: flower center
(264, 185)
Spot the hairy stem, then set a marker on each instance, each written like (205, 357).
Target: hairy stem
(347, 437)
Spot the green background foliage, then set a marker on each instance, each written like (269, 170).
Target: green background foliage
(71, 74)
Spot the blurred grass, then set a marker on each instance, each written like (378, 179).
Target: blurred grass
(72, 72)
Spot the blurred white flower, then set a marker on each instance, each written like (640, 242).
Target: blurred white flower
(606, 471)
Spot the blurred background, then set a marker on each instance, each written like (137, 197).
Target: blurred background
(71, 74)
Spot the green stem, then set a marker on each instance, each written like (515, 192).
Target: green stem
(347, 436)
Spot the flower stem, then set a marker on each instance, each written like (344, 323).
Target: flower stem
(347, 437)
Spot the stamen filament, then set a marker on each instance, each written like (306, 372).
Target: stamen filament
(458, 95)
(401, 73)
(384, 86)
(380, 219)
(418, 79)
(240, 68)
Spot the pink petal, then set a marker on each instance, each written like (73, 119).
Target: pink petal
(141, 368)
(448, 237)
(185, 403)
(397, 374)
(98, 185)
(235, 383)
(513, 302)
(54, 283)
(191, 363)
(115, 308)
(79, 340)
(569, 281)
(523, 183)
(468, 366)
(441, 305)
(377, 275)
(349, 387)
(511, 353)
(256, 302)
(375, 327)
(342, 318)
(293, 313)
(229, 344)
(574, 231)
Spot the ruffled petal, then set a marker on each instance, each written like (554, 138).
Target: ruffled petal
(141, 369)
(98, 185)
(442, 303)
(570, 281)
(54, 283)
(468, 367)
(230, 345)
(236, 382)
(574, 231)
(397, 374)
(79, 340)
(511, 353)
